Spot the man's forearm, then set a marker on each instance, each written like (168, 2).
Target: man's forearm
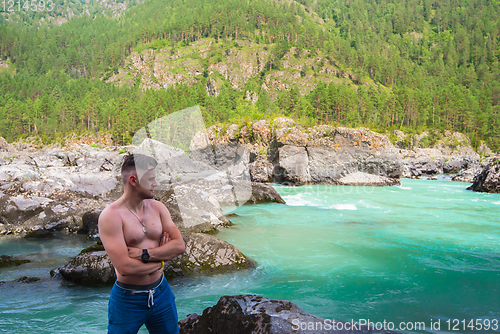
(167, 251)
(134, 267)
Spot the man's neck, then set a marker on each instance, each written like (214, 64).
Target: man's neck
(133, 201)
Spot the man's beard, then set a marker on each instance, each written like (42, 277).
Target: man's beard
(147, 194)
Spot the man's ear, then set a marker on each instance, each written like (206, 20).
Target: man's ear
(133, 180)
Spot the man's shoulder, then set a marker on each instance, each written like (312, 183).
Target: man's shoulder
(110, 211)
(158, 206)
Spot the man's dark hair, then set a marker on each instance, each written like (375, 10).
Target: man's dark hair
(132, 161)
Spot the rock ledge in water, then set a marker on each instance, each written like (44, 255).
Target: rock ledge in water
(264, 193)
(204, 254)
(365, 179)
(9, 261)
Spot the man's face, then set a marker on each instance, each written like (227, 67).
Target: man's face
(147, 183)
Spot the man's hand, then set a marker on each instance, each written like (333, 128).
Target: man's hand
(136, 253)
(164, 238)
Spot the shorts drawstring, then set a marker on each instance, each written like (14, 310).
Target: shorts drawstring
(150, 293)
(150, 298)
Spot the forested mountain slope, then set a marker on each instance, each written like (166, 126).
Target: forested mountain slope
(409, 65)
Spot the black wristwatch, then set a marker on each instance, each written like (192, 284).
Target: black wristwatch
(145, 256)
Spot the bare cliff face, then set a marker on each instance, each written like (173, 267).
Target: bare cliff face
(231, 63)
(285, 152)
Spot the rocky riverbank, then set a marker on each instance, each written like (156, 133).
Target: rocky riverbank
(282, 151)
(49, 189)
(64, 188)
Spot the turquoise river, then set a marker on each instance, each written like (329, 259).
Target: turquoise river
(426, 251)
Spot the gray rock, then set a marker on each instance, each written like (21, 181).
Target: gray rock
(193, 210)
(261, 171)
(365, 179)
(90, 269)
(422, 161)
(322, 154)
(9, 261)
(231, 158)
(41, 194)
(450, 154)
(204, 254)
(455, 166)
(252, 314)
(264, 193)
(336, 153)
(469, 174)
(489, 178)
(292, 165)
(90, 221)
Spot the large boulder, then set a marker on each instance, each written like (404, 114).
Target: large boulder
(90, 269)
(264, 193)
(489, 178)
(252, 314)
(470, 173)
(336, 152)
(204, 254)
(193, 209)
(422, 161)
(292, 165)
(261, 170)
(195, 191)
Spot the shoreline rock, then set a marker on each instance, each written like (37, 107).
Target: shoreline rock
(488, 179)
(284, 152)
(52, 190)
(365, 179)
(41, 194)
(425, 155)
(250, 314)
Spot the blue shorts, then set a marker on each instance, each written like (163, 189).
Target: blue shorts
(129, 309)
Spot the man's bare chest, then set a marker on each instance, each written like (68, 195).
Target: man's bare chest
(133, 230)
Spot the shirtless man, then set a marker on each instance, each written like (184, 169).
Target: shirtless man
(139, 236)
